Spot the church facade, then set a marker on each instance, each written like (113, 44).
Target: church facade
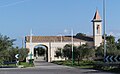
(52, 43)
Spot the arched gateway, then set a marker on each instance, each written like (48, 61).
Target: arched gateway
(54, 42)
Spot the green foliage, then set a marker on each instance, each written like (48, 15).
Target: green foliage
(82, 64)
(4, 55)
(8, 52)
(40, 51)
(6, 48)
(5, 42)
(110, 39)
(22, 54)
(80, 34)
(12, 53)
(79, 53)
(9, 55)
(58, 52)
(25, 64)
(118, 44)
(99, 51)
(67, 51)
(84, 51)
(113, 48)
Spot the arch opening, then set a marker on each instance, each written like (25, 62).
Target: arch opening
(41, 52)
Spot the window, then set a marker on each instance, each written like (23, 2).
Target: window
(98, 29)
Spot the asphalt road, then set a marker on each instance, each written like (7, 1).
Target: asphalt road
(49, 68)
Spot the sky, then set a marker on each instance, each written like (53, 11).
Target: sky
(54, 17)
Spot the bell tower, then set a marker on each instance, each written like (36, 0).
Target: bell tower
(97, 29)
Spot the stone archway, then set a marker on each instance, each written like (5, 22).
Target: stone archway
(41, 52)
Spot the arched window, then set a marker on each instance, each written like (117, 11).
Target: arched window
(98, 29)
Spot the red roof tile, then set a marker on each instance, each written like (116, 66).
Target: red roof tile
(97, 16)
(51, 39)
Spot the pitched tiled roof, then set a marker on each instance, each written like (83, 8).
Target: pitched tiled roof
(85, 38)
(51, 39)
(97, 16)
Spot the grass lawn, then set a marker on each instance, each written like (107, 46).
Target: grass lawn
(90, 64)
(24, 64)
(82, 64)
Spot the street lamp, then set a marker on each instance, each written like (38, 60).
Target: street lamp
(104, 28)
(71, 44)
(31, 45)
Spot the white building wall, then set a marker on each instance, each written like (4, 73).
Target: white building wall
(52, 47)
(56, 45)
(97, 36)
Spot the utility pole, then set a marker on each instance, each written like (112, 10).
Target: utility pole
(104, 22)
(22, 42)
(72, 46)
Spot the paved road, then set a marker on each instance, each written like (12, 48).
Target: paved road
(49, 68)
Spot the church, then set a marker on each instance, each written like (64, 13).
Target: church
(52, 43)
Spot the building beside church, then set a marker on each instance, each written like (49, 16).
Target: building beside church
(52, 43)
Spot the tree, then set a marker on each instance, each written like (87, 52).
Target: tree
(99, 52)
(23, 53)
(80, 34)
(118, 44)
(79, 53)
(5, 45)
(111, 45)
(88, 53)
(83, 51)
(67, 51)
(5, 42)
(4, 56)
(110, 39)
(58, 52)
(12, 52)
